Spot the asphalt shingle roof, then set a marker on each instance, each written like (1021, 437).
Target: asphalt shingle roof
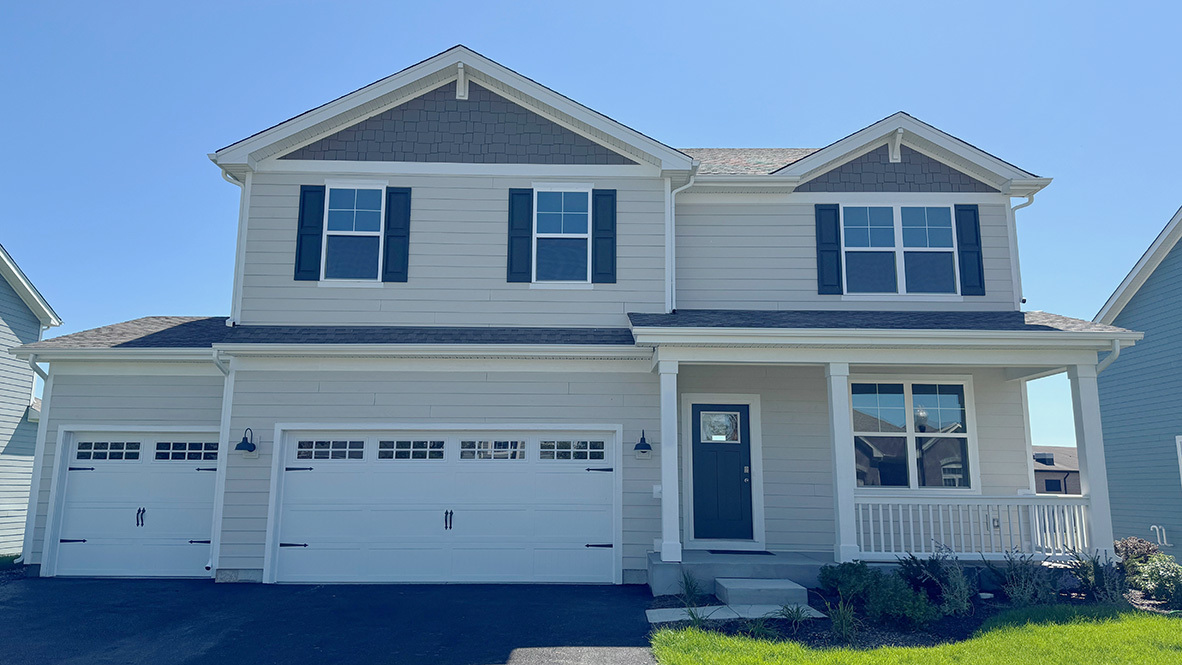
(745, 161)
(1066, 459)
(881, 320)
(204, 332)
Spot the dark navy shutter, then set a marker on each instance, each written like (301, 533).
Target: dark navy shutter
(309, 233)
(603, 236)
(521, 235)
(828, 249)
(968, 245)
(397, 251)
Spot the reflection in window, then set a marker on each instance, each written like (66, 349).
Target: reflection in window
(879, 407)
(881, 461)
(943, 462)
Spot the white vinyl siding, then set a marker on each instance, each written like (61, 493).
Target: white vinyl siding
(142, 401)
(761, 253)
(18, 325)
(458, 245)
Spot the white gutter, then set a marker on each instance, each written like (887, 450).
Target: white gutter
(217, 361)
(1110, 358)
(1029, 200)
(672, 244)
(37, 368)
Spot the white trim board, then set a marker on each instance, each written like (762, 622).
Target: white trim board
(1149, 261)
(24, 289)
(275, 494)
(758, 541)
(57, 489)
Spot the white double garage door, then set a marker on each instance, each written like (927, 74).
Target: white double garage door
(436, 505)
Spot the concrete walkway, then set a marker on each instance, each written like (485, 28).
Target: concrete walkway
(165, 622)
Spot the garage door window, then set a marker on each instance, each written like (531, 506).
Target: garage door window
(176, 451)
(108, 450)
(572, 450)
(330, 450)
(410, 450)
(473, 450)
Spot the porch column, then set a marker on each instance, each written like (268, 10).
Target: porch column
(1089, 442)
(845, 477)
(670, 496)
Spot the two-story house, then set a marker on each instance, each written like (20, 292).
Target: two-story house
(482, 333)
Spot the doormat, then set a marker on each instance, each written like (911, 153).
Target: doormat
(739, 552)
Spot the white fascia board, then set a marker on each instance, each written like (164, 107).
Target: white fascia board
(553, 351)
(847, 338)
(28, 293)
(883, 130)
(83, 355)
(240, 152)
(1150, 260)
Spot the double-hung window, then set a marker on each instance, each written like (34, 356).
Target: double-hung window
(562, 235)
(899, 249)
(911, 434)
(353, 233)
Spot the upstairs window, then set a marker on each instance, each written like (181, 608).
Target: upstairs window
(899, 249)
(562, 236)
(353, 233)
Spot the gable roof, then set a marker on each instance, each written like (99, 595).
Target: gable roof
(427, 75)
(1149, 261)
(903, 128)
(28, 293)
(1065, 458)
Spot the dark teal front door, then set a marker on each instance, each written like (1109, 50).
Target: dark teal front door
(721, 449)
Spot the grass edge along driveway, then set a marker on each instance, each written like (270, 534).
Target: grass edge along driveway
(1040, 635)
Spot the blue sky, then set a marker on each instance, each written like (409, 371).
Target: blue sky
(115, 212)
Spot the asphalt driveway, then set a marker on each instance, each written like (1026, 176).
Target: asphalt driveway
(165, 622)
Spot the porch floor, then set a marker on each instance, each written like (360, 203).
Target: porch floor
(664, 578)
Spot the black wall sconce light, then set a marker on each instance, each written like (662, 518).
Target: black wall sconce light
(642, 448)
(246, 445)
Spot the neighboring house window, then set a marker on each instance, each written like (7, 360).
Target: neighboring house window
(1054, 485)
(911, 435)
(562, 236)
(353, 233)
(899, 249)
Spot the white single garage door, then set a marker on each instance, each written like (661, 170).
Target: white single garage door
(446, 507)
(138, 505)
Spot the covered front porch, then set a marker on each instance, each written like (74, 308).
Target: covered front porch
(783, 450)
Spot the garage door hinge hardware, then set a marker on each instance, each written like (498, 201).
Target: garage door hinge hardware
(198, 542)
(293, 544)
(605, 468)
(72, 540)
(80, 468)
(139, 516)
(297, 468)
(207, 468)
(607, 545)
(447, 520)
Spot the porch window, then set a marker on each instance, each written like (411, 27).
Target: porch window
(911, 435)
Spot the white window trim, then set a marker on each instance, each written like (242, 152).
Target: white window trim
(913, 487)
(330, 185)
(552, 283)
(900, 259)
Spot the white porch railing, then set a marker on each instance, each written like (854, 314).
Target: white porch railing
(1050, 527)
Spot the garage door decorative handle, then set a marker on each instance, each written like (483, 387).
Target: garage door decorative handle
(606, 468)
(297, 468)
(72, 540)
(198, 542)
(603, 545)
(293, 544)
(206, 468)
(80, 468)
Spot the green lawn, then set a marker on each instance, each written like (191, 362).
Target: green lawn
(1057, 635)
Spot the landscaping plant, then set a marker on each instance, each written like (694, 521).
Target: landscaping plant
(795, 615)
(759, 629)
(892, 602)
(927, 575)
(1025, 581)
(691, 589)
(1161, 579)
(848, 580)
(843, 621)
(1100, 581)
(1134, 553)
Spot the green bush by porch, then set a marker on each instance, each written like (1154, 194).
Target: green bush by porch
(1038, 636)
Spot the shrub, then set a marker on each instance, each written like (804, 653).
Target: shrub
(1134, 552)
(795, 615)
(1161, 579)
(1101, 581)
(849, 581)
(926, 575)
(843, 622)
(957, 593)
(1024, 580)
(892, 602)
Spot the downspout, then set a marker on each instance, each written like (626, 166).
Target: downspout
(673, 234)
(217, 361)
(230, 179)
(1029, 200)
(37, 368)
(1110, 358)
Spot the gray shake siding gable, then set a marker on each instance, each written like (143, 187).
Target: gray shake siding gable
(18, 325)
(1141, 409)
(874, 172)
(483, 129)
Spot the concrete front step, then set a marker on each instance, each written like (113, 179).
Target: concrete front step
(745, 591)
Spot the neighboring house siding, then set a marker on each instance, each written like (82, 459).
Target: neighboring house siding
(436, 127)
(1069, 480)
(874, 172)
(1141, 408)
(763, 255)
(457, 271)
(578, 396)
(18, 325)
(144, 400)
